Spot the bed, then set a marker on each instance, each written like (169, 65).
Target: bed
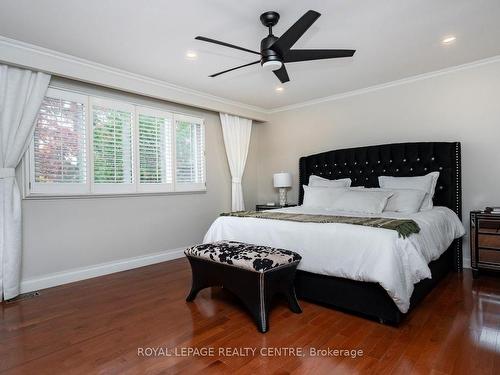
(368, 271)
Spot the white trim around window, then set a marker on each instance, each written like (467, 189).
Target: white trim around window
(135, 154)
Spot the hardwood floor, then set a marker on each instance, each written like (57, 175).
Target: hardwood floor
(99, 326)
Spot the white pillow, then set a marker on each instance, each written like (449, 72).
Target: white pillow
(362, 200)
(425, 183)
(403, 200)
(316, 181)
(321, 197)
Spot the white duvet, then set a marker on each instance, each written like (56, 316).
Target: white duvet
(353, 251)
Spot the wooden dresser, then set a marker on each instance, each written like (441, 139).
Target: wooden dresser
(484, 241)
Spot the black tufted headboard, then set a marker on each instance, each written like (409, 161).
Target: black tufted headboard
(364, 164)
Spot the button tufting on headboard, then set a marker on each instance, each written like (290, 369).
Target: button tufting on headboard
(401, 159)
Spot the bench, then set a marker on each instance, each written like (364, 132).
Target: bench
(253, 273)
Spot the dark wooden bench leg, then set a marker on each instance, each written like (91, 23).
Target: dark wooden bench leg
(281, 282)
(257, 301)
(264, 302)
(199, 280)
(192, 294)
(291, 298)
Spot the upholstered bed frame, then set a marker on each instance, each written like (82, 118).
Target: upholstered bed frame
(363, 165)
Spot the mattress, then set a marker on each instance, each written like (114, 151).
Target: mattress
(352, 251)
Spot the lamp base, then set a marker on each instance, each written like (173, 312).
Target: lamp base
(282, 197)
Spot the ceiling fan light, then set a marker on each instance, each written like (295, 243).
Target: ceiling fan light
(272, 65)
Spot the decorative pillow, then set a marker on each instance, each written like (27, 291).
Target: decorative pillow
(316, 181)
(362, 200)
(321, 197)
(425, 183)
(403, 200)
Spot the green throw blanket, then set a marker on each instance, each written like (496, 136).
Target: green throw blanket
(404, 227)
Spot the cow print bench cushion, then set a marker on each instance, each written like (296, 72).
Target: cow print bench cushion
(250, 257)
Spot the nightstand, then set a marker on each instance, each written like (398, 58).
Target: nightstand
(263, 207)
(484, 242)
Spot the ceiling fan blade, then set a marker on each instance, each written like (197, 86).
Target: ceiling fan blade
(238, 67)
(288, 39)
(295, 55)
(202, 38)
(282, 74)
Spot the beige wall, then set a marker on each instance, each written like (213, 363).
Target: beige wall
(461, 106)
(60, 235)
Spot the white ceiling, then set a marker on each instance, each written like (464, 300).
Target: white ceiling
(394, 39)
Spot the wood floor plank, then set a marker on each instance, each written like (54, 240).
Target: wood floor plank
(100, 325)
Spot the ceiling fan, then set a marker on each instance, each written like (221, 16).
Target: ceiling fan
(275, 52)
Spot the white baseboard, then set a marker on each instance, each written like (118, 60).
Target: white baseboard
(82, 273)
(77, 274)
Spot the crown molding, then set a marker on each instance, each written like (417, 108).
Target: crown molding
(30, 56)
(27, 55)
(403, 81)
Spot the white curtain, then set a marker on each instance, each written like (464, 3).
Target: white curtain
(21, 93)
(236, 131)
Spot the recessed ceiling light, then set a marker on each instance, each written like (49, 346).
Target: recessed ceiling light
(279, 89)
(191, 55)
(449, 39)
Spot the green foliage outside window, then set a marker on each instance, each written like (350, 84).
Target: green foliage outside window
(112, 146)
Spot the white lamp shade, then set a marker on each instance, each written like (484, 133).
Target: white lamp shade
(282, 180)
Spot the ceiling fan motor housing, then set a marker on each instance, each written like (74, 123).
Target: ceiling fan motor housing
(271, 60)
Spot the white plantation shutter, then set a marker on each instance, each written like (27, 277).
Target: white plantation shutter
(89, 145)
(112, 145)
(189, 153)
(155, 149)
(59, 162)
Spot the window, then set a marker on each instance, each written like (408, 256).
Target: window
(59, 145)
(189, 151)
(88, 145)
(112, 146)
(155, 150)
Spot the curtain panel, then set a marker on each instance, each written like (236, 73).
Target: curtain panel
(21, 94)
(236, 131)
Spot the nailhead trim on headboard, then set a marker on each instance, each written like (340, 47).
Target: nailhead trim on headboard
(458, 210)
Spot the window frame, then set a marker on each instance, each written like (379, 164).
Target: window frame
(88, 189)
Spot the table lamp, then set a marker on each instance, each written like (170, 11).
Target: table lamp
(282, 181)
